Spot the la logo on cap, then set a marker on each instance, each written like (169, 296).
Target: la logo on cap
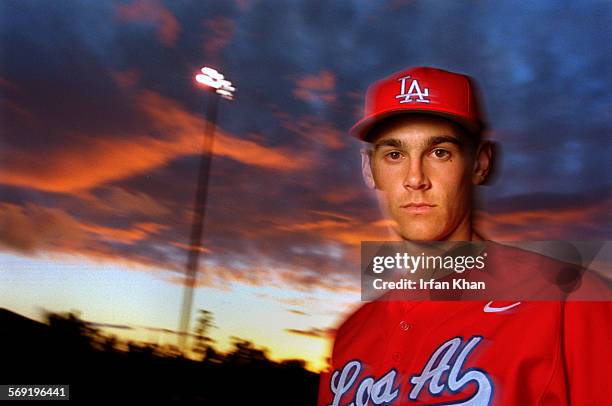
(424, 90)
(413, 91)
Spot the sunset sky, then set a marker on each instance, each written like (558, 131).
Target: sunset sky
(101, 128)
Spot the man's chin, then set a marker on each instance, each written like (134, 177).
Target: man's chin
(420, 233)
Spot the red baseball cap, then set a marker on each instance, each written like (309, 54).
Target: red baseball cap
(422, 90)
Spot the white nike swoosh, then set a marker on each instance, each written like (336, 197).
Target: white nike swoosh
(490, 309)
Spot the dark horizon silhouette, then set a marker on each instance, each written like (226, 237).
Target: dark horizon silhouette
(67, 350)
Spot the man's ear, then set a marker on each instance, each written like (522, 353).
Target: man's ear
(366, 168)
(484, 163)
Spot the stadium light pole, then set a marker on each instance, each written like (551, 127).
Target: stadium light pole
(218, 87)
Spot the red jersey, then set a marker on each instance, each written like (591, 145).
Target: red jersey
(472, 353)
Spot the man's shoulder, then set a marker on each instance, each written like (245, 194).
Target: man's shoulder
(538, 270)
(365, 313)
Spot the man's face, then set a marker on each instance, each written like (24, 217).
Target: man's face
(423, 169)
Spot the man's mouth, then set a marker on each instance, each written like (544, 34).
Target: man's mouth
(418, 207)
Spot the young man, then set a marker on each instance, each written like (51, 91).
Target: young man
(427, 154)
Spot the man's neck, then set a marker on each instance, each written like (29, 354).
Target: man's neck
(464, 231)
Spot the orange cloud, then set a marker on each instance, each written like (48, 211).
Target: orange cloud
(332, 215)
(120, 201)
(94, 161)
(539, 223)
(85, 164)
(313, 332)
(138, 232)
(152, 11)
(123, 202)
(343, 194)
(343, 229)
(27, 229)
(315, 88)
(32, 229)
(187, 247)
(187, 129)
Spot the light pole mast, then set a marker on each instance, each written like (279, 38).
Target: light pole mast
(218, 87)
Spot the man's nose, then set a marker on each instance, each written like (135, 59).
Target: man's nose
(416, 178)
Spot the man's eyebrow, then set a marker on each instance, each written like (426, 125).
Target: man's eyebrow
(389, 142)
(441, 139)
(430, 142)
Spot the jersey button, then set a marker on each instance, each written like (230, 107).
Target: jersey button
(396, 356)
(404, 325)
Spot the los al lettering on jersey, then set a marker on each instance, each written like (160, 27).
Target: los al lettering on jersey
(473, 353)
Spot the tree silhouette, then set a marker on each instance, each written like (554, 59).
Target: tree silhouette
(294, 363)
(68, 349)
(71, 332)
(203, 325)
(245, 352)
(212, 355)
(109, 343)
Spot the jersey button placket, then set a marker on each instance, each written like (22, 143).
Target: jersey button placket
(396, 357)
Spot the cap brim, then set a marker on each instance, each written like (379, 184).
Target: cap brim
(362, 127)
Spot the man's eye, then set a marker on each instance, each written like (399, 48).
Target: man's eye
(441, 153)
(394, 155)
